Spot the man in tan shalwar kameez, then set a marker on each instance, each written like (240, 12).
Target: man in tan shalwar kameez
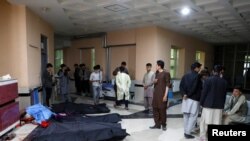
(148, 83)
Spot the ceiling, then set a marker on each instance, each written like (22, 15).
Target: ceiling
(214, 21)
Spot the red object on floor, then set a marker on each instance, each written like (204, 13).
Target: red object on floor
(44, 124)
(27, 120)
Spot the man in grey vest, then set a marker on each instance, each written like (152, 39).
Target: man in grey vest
(236, 108)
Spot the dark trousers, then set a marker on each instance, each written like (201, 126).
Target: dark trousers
(48, 95)
(86, 87)
(82, 85)
(160, 116)
(118, 102)
(115, 88)
(78, 86)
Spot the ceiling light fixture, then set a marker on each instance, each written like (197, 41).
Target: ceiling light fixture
(45, 9)
(185, 11)
(116, 8)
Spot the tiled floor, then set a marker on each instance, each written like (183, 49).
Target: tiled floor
(23, 131)
(137, 127)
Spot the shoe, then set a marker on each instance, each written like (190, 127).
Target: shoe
(155, 127)
(164, 127)
(9, 137)
(202, 139)
(146, 111)
(195, 132)
(126, 108)
(188, 136)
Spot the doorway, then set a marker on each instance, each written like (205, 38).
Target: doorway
(44, 60)
(125, 53)
(200, 57)
(87, 57)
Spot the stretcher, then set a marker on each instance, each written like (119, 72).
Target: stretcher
(108, 90)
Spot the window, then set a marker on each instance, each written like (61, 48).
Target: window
(87, 57)
(58, 59)
(246, 64)
(92, 58)
(174, 62)
(200, 57)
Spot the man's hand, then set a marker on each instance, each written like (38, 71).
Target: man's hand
(185, 97)
(164, 98)
(155, 81)
(145, 87)
(51, 72)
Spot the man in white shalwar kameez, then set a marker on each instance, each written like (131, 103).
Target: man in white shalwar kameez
(123, 83)
(191, 97)
(148, 84)
(212, 100)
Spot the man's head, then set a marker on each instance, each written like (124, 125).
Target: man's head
(148, 67)
(63, 66)
(49, 67)
(196, 66)
(76, 65)
(204, 74)
(82, 66)
(96, 69)
(237, 91)
(159, 65)
(122, 69)
(123, 64)
(217, 69)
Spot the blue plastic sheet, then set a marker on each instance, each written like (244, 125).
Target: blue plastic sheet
(107, 86)
(39, 112)
(170, 94)
(35, 95)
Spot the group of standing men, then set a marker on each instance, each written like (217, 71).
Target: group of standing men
(156, 86)
(81, 75)
(85, 79)
(199, 89)
(49, 80)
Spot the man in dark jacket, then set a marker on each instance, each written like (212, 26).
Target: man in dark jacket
(77, 79)
(191, 98)
(123, 64)
(47, 80)
(212, 100)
